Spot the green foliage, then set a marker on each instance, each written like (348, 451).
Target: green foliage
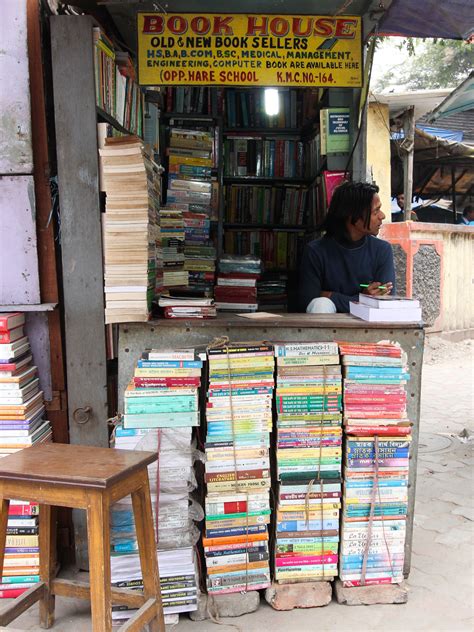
(434, 64)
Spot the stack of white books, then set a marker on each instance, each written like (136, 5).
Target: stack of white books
(386, 309)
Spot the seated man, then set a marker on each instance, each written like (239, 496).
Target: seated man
(349, 255)
(467, 218)
(400, 216)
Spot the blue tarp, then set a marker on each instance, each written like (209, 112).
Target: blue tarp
(447, 134)
(448, 19)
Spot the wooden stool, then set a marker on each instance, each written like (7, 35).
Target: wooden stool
(93, 479)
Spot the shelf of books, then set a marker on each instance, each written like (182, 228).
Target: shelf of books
(119, 99)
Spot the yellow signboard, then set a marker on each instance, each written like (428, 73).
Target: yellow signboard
(221, 49)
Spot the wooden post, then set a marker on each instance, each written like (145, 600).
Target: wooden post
(408, 146)
(453, 193)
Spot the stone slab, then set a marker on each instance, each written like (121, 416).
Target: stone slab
(231, 605)
(370, 595)
(301, 595)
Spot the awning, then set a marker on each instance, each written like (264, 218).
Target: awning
(448, 19)
(436, 164)
(460, 100)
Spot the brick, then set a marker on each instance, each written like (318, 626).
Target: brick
(370, 595)
(229, 605)
(300, 595)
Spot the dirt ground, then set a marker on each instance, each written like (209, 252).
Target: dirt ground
(441, 578)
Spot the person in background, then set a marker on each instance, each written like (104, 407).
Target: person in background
(349, 254)
(467, 218)
(399, 216)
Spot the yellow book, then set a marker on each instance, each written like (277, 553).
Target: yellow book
(308, 360)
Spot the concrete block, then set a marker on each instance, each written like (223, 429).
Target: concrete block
(301, 595)
(231, 605)
(369, 595)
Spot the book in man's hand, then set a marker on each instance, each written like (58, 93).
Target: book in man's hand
(399, 312)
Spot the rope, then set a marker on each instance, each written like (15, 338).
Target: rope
(368, 542)
(157, 510)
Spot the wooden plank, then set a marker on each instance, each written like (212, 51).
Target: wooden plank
(81, 590)
(78, 175)
(19, 281)
(45, 235)
(143, 616)
(13, 610)
(76, 138)
(15, 137)
(47, 547)
(36, 307)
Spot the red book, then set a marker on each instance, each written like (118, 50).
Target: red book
(153, 382)
(369, 431)
(238, 275)
(11, 593)
(32, 509)
(11, 335)
(10, 320)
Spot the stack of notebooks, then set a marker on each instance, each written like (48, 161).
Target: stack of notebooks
(176, 306)
(161, 408)
(236, 289)
(376, 464)
(387, 309)
(130, 228)
(21, 426)
(239, 423)
(308, 402)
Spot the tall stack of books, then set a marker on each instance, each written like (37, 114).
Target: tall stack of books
(239, 423)
(236, 289)
(376, 464)
(130, 228)
(21, 426)
(192, 189)
(308, 401)
(161, 408)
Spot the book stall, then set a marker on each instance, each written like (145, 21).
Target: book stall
(287, 442)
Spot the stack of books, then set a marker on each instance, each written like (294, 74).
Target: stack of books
(192, 188)
(130, 228)
(376, 464)
(236, 289)
(272, 291)
(175, 306)
(387, 309)
(239, 423)
(172, 241)
(21, 426)
(161, 408)
(309, 452)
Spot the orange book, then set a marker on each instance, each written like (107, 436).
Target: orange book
(235, 539)
(230, 568)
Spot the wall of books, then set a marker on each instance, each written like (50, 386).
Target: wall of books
(306, 459)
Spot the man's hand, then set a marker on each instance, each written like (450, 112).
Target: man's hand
(374, 288)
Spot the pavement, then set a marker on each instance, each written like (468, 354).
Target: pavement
(441, 595)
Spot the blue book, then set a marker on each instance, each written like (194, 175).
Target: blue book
(169, 364)
(171, 405)
(222, 533)
(161, 420)
(381, 483)
(19, 579)
(307, 525)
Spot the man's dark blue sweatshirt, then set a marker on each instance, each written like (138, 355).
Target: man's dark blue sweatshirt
(341, 266)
